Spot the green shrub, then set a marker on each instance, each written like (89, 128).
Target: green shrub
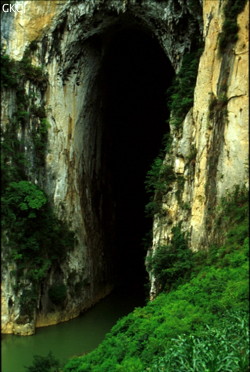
(36, 238)
(172, 263)
(158, 180)
(13, 73)
(9, 73)
(23, 196)
(44, 364)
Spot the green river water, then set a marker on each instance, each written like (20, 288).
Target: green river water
(67, 339)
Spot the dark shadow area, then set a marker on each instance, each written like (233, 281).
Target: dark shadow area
(135, 75)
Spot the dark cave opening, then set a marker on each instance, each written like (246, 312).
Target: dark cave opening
(135, 75)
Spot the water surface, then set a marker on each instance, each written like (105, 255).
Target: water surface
(74, 337)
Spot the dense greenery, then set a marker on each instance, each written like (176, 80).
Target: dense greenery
(46, 363)
(15, 72)
(171, 264)
(200, 325)
(230, 28)
(35, 238)
(219, 348)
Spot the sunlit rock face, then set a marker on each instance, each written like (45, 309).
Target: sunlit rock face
(212, 151)
(109, 64)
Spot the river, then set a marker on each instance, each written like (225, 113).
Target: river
(74, 337)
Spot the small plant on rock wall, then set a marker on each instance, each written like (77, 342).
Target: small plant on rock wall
(172, 263)
(217, 106)
(230, 28)
(9, 73)
(158, 180)
(180, 187)
(27, 303)
(181, 92)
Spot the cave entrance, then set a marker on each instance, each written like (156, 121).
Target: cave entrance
(133, 79)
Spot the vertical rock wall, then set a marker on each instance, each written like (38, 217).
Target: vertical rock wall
(211, 153)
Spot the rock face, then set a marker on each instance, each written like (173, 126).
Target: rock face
(73, 40)
(211, 153)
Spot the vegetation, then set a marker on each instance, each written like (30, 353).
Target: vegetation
(158, 179)
(35, 237)
(230, 28)
(198, 324)
(44, 364)
(15, 72)
(181, 92)
(171, 264)
(218, 106)
(220, 348)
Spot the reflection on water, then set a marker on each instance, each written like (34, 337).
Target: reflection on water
(75, 337)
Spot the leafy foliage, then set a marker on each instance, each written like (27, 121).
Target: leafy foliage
(171, 264)
(36, 237)
(199, 325)
(158, 179)
(14, 72)
(9, 73)
(230, 28)
(23, 196)
(46, 363)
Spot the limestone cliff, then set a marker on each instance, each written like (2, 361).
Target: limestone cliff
(209, 154)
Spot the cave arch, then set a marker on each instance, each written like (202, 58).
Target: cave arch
(127, 120)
